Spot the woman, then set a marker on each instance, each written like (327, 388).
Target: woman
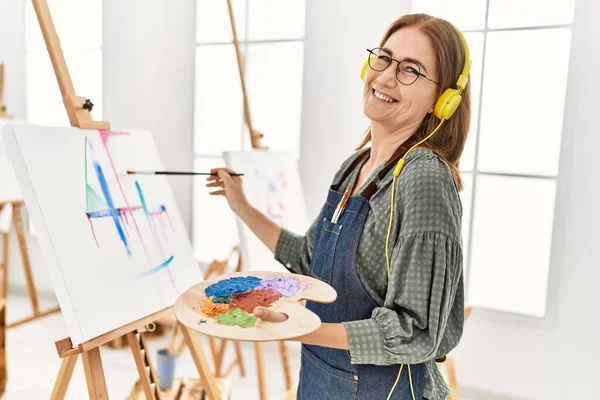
(400, 285)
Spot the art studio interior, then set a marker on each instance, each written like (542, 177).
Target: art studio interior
(299, 199)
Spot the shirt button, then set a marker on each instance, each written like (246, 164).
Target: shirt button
(356, 377)
(288, 265)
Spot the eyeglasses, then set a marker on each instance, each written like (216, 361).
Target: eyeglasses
(407, 73)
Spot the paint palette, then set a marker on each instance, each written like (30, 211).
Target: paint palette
(223, 306)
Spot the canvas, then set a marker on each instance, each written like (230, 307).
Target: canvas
(272, 185)
(115, 244)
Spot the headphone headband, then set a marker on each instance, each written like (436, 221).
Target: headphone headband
(463, 78)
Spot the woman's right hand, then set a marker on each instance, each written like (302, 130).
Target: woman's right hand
(231, 188)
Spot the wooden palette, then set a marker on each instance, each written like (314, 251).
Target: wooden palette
(300, 320)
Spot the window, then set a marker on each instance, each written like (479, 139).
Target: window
(271, 35)
(512, 153)
(79, 27)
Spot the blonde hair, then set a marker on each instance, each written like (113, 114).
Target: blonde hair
(448, 143)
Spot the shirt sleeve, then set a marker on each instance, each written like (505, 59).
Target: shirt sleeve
(426, 278)
(295, 251)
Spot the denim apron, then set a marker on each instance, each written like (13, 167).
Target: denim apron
(327, 373)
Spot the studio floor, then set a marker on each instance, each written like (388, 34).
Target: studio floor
(33, 363)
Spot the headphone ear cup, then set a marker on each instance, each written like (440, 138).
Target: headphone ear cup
(447, 104)
(363, 71)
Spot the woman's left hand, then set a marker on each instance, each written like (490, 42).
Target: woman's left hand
(269, 315)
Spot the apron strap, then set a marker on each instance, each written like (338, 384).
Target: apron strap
(353, 166)
(368, 192)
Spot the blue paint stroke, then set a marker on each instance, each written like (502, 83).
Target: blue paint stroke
(99, 214)
(143, 201)
(228, 287)
(157, 268)
(108, 213)
(111, 204)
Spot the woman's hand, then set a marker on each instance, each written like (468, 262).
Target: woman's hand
(327, 335)
(231, 188)
(269, 315)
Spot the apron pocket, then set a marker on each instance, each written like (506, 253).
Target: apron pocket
(319, 380)
(321, 266)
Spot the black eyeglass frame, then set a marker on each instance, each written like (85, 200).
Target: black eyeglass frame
(419, 73)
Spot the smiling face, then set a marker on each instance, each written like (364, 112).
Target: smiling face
(391, 103)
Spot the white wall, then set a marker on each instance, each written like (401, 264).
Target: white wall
(12, 53)
(557, 357)
(338, 34)
(149, 51)
(553, 358)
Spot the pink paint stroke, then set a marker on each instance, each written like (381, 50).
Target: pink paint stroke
(93, 231)
(105, 135)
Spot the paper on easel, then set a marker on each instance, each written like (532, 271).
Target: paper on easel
(272, 185)
(115, 244)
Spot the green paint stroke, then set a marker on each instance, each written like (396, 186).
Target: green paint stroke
(237, 317)
(94, 201)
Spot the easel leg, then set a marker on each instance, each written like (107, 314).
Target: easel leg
(145, 368)
(22, 239)
(217, 355)
(94, 374)
(260, 370)
(5, 262)
(208, 379)
(285, 361)
(238, 354)
(451, 373)
(3, 369)
(64, 377)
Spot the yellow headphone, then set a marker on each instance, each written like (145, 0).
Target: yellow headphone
(445, 106)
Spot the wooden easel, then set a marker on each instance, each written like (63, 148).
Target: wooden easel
(17, 219)
(450, 369)
(78, 110)
(3, 113)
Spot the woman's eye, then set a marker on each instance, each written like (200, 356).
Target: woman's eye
(410, 70)
(384, 58)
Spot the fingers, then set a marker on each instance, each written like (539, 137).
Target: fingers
(215, 184)
(269, 315)
(216, 170)
(224, 176)
(218, 193)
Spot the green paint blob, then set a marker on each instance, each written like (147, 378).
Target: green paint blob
(237, 317)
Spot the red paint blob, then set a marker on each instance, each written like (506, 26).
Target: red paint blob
(255, 298)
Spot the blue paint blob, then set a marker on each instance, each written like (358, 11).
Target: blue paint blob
(228, 287)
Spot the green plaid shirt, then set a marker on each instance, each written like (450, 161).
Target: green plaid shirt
(420, 311)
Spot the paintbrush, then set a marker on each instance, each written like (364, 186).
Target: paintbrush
(175, 173)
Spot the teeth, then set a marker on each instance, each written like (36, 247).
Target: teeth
(383, 97)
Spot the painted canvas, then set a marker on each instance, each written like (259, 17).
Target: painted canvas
(272, 185)
(115, 244)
